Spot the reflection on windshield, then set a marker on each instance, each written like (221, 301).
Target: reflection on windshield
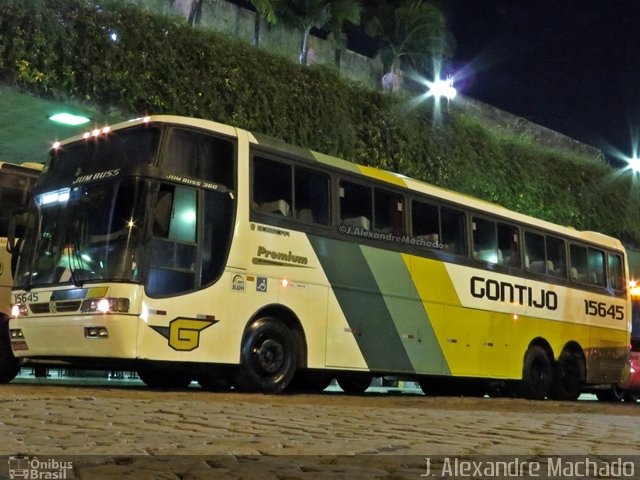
(93, 233)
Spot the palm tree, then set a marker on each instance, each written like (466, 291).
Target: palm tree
(264, 9)
(308, 14)
(342, 11)
(409, 33)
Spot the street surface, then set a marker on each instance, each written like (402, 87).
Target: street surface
(117, 429)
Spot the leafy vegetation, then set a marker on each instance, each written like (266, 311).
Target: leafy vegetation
(117, 57)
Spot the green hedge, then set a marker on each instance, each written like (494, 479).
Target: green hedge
(62, 49)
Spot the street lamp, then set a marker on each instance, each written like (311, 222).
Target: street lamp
(440, 88)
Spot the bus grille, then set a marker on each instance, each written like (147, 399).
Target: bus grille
(55, 307)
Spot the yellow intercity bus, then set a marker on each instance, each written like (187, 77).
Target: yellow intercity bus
(16, 182)
(189, 250)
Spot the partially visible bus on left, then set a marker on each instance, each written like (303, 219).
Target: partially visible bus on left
(16, 182)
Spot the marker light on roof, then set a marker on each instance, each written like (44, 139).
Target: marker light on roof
(69, 119)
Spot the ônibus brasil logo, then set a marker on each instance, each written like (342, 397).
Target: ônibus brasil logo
(22, 466)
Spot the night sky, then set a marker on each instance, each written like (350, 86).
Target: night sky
(569, 65)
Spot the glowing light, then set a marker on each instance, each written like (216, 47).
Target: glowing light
(284, 282)
(634, 288)
(69, 119)
(103, 305)
(57, 196)
(441, 88)
(189, 216)
(634, 164)
(56, 145)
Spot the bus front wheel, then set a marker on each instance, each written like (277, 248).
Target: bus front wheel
(537, 374)
(267, 357)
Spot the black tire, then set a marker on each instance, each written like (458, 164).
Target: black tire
(631, 397)
(354, 383)
(164, 379)
(267, 357)
(537, 374)
(9, 365)
(568, 377)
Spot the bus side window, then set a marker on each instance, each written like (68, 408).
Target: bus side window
(388, 212)
(508, 245)
(485, 241)
(198, 155)
(311, 196)
(556, 257)
(454, 230)
(534, 256)
(616, 273)
(596, 266)
(578, 261)
(271, 187)
(425, 223)
(355, 205)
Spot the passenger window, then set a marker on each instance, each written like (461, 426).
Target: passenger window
(556, 257)
(534, 253)
(587, 265)
(508, 245)
(312, 196)
(596, 267)
(544, 254)
(388, 212)
(355, 205)
(485, 241)
(198, 155)
(454, 231)
(425, 223)
(272, 187)
(579, 266)
(616, 272)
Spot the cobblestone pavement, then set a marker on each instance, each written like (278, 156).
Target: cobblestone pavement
(134, 432)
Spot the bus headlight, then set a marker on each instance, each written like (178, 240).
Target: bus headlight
(19, 310)
(105, 305)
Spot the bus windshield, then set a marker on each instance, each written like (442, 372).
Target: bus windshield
(86, 233)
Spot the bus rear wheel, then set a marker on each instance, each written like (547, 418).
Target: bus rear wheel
(537, 374)
(267, 357)
(567, 382)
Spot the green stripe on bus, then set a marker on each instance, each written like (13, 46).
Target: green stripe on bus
(407, 311)
(358, 294)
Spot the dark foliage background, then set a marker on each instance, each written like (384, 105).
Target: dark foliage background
(63, 49)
